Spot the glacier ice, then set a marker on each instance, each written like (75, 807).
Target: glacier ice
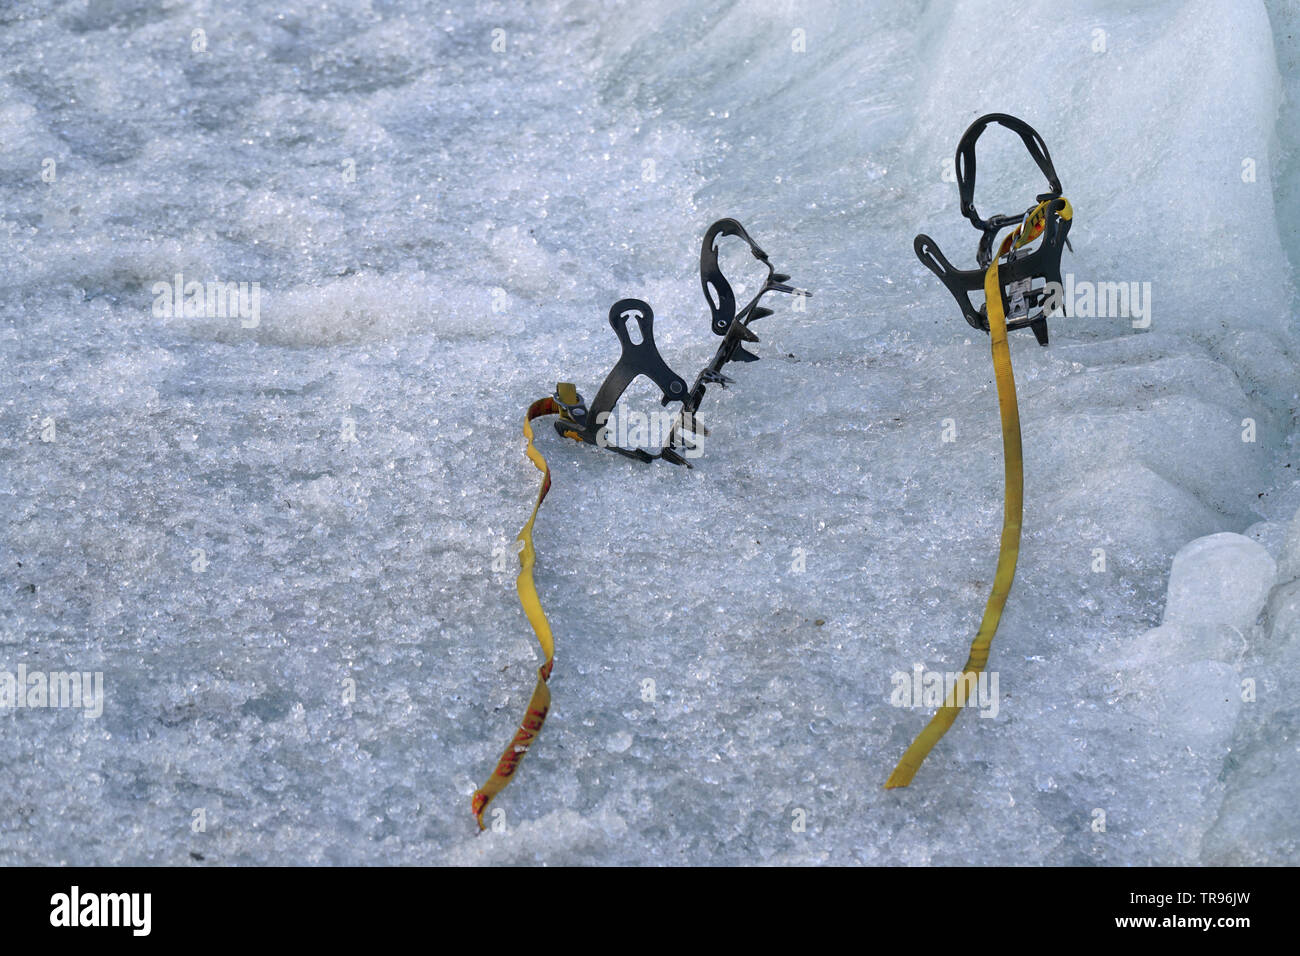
(282, 543)
(1219, 579)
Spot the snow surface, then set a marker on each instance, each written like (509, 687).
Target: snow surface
(578, 166)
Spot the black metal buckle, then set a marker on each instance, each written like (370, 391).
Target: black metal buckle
(587, 423)
(1042, 263)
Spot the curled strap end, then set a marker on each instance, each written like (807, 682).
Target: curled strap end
(481, 801)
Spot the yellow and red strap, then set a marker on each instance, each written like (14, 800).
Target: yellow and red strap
(540, 703)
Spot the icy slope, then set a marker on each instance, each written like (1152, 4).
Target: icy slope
(577, 166)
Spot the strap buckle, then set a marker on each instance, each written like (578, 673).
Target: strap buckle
(574, 409)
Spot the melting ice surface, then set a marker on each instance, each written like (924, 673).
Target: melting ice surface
(380, 171)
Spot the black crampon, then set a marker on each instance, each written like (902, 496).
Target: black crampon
(589, 423)
(1022, 269)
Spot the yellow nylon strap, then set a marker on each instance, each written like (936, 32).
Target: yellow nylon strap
(1034, 223)
(540, 703)
(1030, 229)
